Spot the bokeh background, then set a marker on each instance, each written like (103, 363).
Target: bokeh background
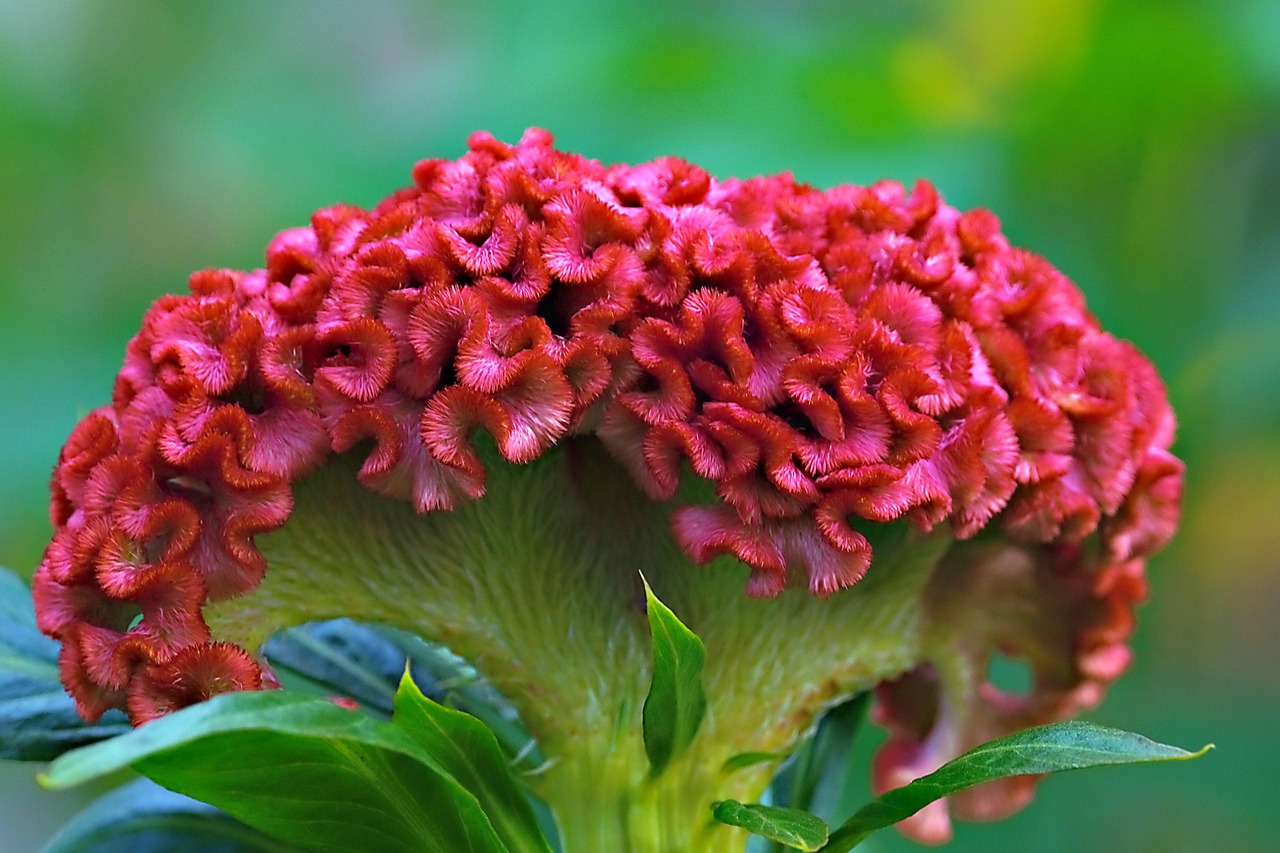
(1135, 143)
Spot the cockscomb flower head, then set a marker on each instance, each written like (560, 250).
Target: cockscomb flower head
(784, 373)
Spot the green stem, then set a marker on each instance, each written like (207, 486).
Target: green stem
(608, 801)
(537, 584)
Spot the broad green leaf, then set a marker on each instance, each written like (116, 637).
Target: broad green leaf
(340, 657)
(469, 752)
(38, 720)
(365, 662)
(794, 828)
(1044, 749)
(675, 704)
(299, 769)
(457, 684)
(142, 817)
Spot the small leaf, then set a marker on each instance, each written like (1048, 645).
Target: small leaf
(794, 828)
(142, 817)
(469, 752)
(675, 704)
(1043, 749)
(743, 760)
(38, 720)
(301, 770)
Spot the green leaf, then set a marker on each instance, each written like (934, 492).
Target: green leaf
(469, 752)
(38, 720)
(458, 685)
(339, 657)
(1044, 749)
(301, 770)
(675, 704)
(365, 662)
(142, 817)
(814, 780)
(794, 828)
(743, 760)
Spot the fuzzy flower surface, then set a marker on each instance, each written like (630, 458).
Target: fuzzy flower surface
(828, 361)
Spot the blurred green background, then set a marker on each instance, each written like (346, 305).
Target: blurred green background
(1135, 144)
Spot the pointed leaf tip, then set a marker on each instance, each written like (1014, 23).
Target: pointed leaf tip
(794, 828)
(301, 770)
(1053, 748)
(676, 703)
(467, 750)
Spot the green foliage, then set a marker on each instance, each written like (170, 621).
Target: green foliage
(814, 779)
(142, 817)
(458, 685)
(38, 720)
(304, 772)
(343, 657)
(1043, 749)
(307, 772)
(793, 827)
(468, 751)
(675, 705)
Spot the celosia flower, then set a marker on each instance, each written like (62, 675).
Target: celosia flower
(820, 386)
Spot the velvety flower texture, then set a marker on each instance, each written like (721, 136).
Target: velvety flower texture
(828, 359)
